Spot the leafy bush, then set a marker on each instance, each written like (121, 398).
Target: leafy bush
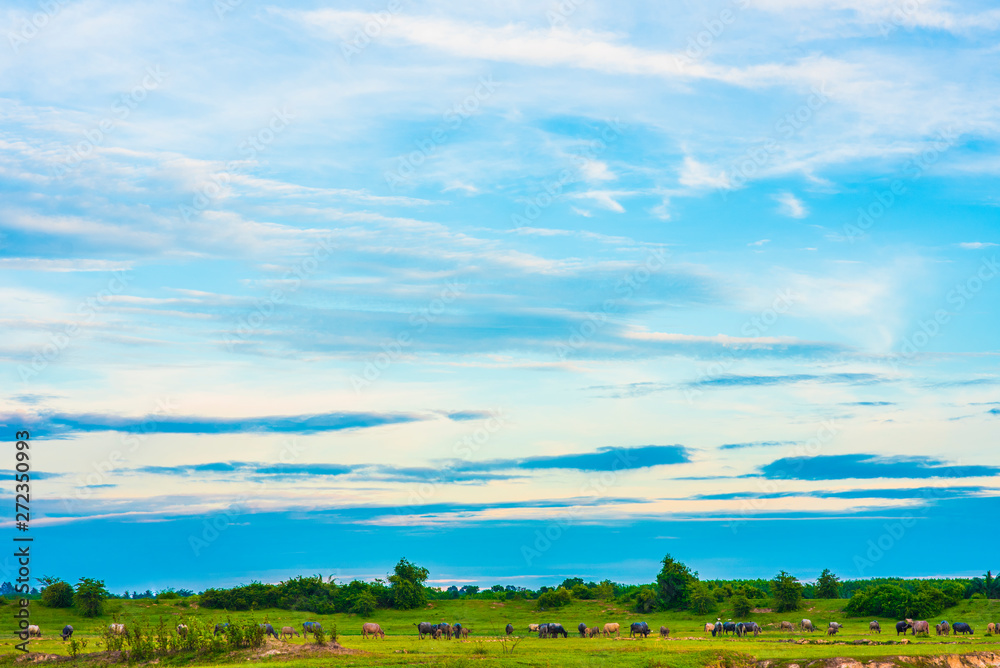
(787, 592)
(887, 600)
(58, 595)
(581, 591)
(554, 598)
(741, 606)
(90, 596)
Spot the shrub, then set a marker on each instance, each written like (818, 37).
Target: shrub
(364, 604)
(741, 606)
(554, 598)
(90, 596)
(581, 591)
(787, 592)
(58, 595)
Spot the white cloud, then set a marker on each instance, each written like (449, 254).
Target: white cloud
(976, 245)
(595, 170)
(695, 174)
(759, 242)
(791, 206)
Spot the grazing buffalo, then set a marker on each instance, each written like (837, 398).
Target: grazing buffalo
(288, 631)
(833, 628)
(532, 627)
(752, 627)
(729, 627)
(426, 629)
(962, 627)
(638, 628)
(939, 629)
(710, 628)
(901, 627)
(268, 630)
(543, 630)
(311, 627)
(664, 632)
(372, 629)
(945, 627)
(991, 628)
(456, 629)
(873, 627)
(717, 629)
(437, 633)
(919, 626)
(741, 629)
(465, 632)
(555, 629)
(34, 631)
(67, 632)
(509, 629)
(119, 629)
(807, 625)
(445, 629)
(582, 628)
(787, 626)
(612, 628)
(182, 630)
(220, 628)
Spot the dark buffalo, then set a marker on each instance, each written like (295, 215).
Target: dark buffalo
(582, 628)
(961, 627)
(833, 628)
(729, 627)
(67, 632)
(445, 629)
(664, 632)
(221, 628)
(269, 630)
(510, 629)
(901, 627)
(555, 629)
(873, 627)
(717, 630)
(424, 629)
(311, 627)
(543, 630)
(638, 628)
(457, 629)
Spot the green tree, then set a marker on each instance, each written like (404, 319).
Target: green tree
(408, 586)
(702, 600)
(605, 590)
(554, 598)
(741, 606)
(364, 604)
(787, 592)
(645, 600)
(581, 591)
(90, 596)
(828, 585)
(673, 584)
(58, 594)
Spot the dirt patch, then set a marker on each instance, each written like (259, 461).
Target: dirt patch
(971, 660)
(762, 610)
(295, 651)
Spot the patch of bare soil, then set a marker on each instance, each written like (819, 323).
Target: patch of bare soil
(288, 650)
(971, 660)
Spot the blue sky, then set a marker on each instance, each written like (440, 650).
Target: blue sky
(518, 291)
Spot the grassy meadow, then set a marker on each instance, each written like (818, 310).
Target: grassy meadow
(688, 644)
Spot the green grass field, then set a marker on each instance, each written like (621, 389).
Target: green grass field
(688, 644)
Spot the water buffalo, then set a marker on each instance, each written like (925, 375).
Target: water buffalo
(752, 627)
(638, 628)
(67, 632)
(962, 627)
(664, 632)
(532, 627)
(873, 627)
(543, 630)
(445, 629)
(311, 627)
(594, 632)
(437, 633)
(919, 626)
(425, 629)
(465, 632)
(456, 629)
(118, 629)
(582, 628)
(288, 631)
(833, 628)
(991, 628)
(945, 627)
(509, 629)
(807, 625)
(372, 629)
(182, 630)
(269, 630)
(901, 627)
(220, 628)
(729, 627)
(939, 629)
(612, 628)
(787, 626)
(555, 629)
(710, 628)
(34, 631)
(717, 629)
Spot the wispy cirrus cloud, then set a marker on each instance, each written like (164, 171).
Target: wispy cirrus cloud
(866, 466)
